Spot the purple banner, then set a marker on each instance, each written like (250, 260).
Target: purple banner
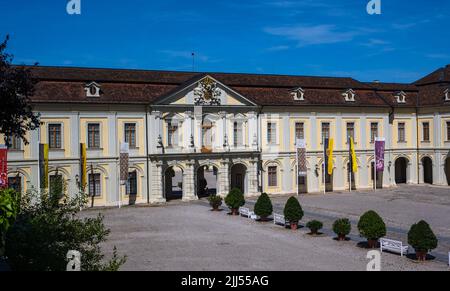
(379, 154)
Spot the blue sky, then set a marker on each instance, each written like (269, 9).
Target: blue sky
(311, 37)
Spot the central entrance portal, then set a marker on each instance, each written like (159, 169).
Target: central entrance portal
(238, 177)
(207, 181)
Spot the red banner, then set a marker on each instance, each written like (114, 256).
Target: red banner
(3, 166)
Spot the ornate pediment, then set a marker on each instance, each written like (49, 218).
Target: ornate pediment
(207, 93)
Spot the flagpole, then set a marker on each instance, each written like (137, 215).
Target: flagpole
(298, 170)
(324, 167)
(350, 167)
(375, 165)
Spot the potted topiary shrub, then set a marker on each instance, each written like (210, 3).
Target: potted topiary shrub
(293, 212)
(422, 239)
(234, 200)
(314, 226)
(263, 207)
(342, 228)
(372, 227)
(215, 201)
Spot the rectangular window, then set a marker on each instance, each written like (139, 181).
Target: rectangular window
(238, 139)
(299, 130)
(426, 131)
(401, 132)
(351, 131)
(130, 134)
(15, 183)
(94, 185)
(54, 136)
(271, 133)
(15, 143)
(448, 130)
(325, 130)
(94, 136)
(172, 134)
(132, 184)
(272, 173)
(373, 131)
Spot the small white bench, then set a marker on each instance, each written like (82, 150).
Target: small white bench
(393, 246)
(279, 219)
(243, 211)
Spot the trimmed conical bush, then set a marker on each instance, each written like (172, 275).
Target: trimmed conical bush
(293, 211)
(371, 226)
(235, 199)
(422, 238)
(263, 207)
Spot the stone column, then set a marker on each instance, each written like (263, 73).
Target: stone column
(253, 131)
(158, 130)
(198, 131)
(189, 182)
(224, 178)
(157, 191)
(225, 143)
(253, 178)
(188, 133)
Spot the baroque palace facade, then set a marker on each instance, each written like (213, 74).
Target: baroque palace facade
(193, 134)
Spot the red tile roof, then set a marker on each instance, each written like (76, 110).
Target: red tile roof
(66, 85)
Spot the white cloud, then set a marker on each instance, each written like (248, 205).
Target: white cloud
(438, 56)
(314, 34)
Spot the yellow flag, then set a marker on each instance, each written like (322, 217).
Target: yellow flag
(330, 157)
(45, 182)
(353, 153)
(83, 166)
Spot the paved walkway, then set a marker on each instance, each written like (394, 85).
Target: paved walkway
(180, 237)
(399, 207)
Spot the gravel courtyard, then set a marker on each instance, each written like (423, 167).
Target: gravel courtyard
(189, 237)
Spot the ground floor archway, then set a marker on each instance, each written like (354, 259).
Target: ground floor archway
(207, 181)
(173, 181)
(427, 165)
(401, 171)
(447, 170)
(239, 177)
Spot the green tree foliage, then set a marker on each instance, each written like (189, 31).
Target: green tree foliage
(16, 87)
(263, 206)
(235, 199)
(9, 207)
(44, 232)
(342, 227)
(422, 238)
(314, 226)
(371, 226)
(293, 211)
(215, 201)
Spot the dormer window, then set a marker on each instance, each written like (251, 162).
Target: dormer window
(401, 97)
(447, 94)
(349, 95)
(92, 90)
(298, 94)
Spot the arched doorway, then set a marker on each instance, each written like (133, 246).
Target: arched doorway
(401, 167)
(207, 181)
(238, 177)
(427, 165)
(173, 181)
(447, 170)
